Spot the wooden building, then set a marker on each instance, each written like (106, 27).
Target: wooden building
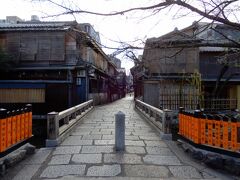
(57, 65)
(183, 68)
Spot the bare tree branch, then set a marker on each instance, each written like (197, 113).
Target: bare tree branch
(167, 3)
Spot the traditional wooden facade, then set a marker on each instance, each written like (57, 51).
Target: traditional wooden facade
(57, 65)
(182, 67)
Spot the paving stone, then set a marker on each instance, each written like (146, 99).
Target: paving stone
(79, 133)
(104, 142)
(92, 120)
(92, 137)
(105, 170)
(140, 124)
(161, 160)
(39, 157)
(143, 134)
(159, 151)
(84, 128)
(87, 158)
(102, 132)
(87, 127)
(150, 137)
(144, 131)
(106, 126)
(63, 170)
(107, 129)
(75, 140)
(67, 150)
(155, 143)
(60, 159)
(89, 122)
(131, 137)
(185, 172)
(147, 128)
(127, 133)
(109, 178)
(26, 172)
(122, 158)
(97, 149)
(108, 137)
(135, 149)
(134, 143)
(147, 171)
(107, 123)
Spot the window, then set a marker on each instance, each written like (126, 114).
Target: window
(81, 73)
(78, 81)
(22, 95)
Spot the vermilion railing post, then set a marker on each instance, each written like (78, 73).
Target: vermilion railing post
(186, 124)
(3, 130)
(238, 136)
(210, 130)
(18, 116)
(191, 126)
(181, 119)
(29, 117)
(217, 131)
(234, 134)
(196, 129)
(9, 129)
(22, 119)
(203, 129)
(214, 130)
(14, 127)
(225, 132)
(26, 124)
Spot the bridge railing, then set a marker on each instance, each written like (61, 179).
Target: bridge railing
(15, 128)
(60, 123)
(160, 118)
(213, 130)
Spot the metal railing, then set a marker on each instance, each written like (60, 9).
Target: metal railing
(60, 123)
(160, 118)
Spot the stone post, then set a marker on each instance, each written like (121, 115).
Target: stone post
(66, 120)
(120, 131)
(52, 129)
(167, 121)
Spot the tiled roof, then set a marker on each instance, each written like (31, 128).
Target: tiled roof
(212, 49)
(26, 26)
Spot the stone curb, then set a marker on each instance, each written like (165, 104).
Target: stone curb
(15, 157)
(213, 160)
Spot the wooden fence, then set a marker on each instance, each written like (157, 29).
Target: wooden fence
(217, 131)
(160, 118)
(60, 123)
(15, 127)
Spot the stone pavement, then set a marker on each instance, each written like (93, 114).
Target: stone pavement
(88, 153)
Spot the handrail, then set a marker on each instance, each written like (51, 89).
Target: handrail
(68, 118)
(160, 118)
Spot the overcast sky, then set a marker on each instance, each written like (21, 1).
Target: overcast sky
(125, 28)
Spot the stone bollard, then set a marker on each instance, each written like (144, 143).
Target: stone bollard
(120, 131)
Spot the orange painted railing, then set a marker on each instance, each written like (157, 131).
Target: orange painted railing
(212, 130)
(15, 127)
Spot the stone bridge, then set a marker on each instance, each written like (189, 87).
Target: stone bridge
(88, 153)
